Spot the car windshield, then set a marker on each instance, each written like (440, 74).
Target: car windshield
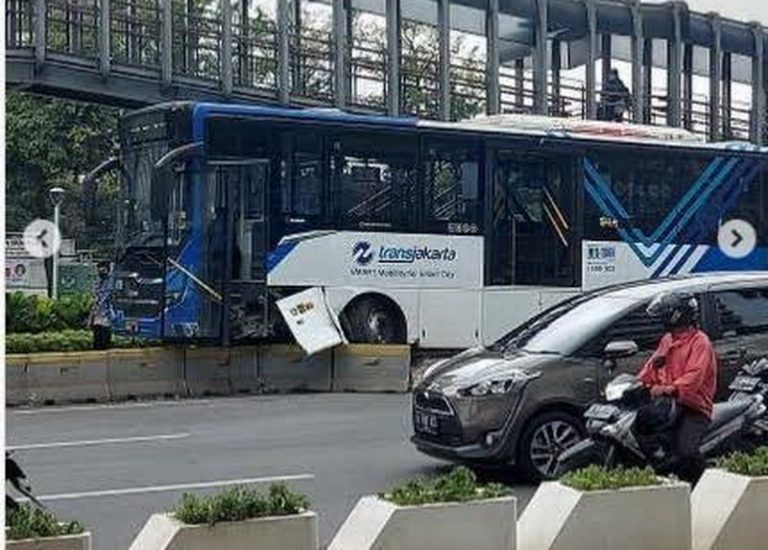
(566, 327)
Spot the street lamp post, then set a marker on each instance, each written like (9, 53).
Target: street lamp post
(57, 196)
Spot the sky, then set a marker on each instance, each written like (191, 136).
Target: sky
(743, 10)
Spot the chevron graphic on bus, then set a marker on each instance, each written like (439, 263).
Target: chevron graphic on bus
(674, 242)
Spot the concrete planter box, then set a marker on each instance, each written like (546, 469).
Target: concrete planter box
(730, 511)
(637, 518)
(376, 524)
(67, 542)
(297, 532)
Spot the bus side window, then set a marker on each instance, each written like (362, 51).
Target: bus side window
(453, 193)
(305, 189)
(374, 178)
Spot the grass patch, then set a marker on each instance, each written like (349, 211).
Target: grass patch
(599, 478)
(752, 465)
(238, 504)
(460, 485)
(30, 522)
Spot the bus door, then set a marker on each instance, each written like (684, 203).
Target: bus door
(533, 209)
(247, 185)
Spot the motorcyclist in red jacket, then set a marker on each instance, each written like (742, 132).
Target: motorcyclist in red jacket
(684, 366)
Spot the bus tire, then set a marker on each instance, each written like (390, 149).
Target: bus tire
(374, 320)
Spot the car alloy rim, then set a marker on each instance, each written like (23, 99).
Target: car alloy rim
(548, 443)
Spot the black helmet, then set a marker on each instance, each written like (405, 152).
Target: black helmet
(674, 309)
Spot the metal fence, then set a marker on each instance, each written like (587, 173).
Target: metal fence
(73, 33)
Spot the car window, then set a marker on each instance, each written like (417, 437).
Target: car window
(741, 312)
(635, 326)
(566, 329)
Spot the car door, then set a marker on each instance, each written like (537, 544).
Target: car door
(740, 332)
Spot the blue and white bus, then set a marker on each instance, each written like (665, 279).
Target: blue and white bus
(443, 235)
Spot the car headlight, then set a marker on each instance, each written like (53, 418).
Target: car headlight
(500, 385)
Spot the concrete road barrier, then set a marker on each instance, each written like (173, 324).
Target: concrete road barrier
(371, 368)
(286, 368)
(16, 379)
(57, 377)
(244, 370)
(146, 372)
(206, 371)
(175, 371)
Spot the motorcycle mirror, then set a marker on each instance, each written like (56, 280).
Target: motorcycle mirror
(620, 348)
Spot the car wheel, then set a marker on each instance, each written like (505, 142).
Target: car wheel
(543, 440)
(373, 321)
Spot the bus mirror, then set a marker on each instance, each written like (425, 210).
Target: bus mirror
(90, 183)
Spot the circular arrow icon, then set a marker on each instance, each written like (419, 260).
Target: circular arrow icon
(737, 239)
(42, 239)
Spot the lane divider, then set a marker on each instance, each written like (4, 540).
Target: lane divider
(92, 442)
(167, 488)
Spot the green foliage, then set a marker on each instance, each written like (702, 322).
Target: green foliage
(30, 522)
(752, 465)
(65, 340)
(32, 313)
(238, 504)
(599, 478)
(52, 142)
(459, 485)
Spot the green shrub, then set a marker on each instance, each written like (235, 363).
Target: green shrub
(599, 478)
(65, 340)
(32, 313)
(460, 485)
(753, 465)
(238, 504)
(30, 522)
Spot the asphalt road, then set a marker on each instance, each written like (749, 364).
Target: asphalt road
(111, 466)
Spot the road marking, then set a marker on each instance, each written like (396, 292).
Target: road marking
(90, 442)
(166, 488)
(46, 410)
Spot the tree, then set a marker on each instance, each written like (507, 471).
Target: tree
(53, 142)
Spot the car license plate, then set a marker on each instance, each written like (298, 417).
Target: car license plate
(425, 423)
(744, 383)
(600, 412)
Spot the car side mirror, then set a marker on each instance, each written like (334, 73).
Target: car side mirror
(620, 348)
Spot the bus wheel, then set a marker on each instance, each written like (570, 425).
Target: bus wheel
(373, 320)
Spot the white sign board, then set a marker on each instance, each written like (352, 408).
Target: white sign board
(310, 321)
(391, 260)
(17, 273)
(611, 262)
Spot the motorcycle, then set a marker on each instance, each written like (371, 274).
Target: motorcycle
(18, 480)
(619, 433)
(751, 380)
